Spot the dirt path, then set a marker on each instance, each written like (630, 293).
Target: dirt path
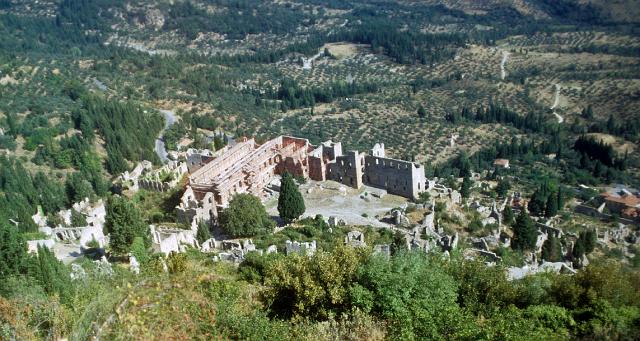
(160, 149)
(505, 58)
(556, 102)
(308, 63)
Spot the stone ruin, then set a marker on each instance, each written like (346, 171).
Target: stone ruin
(144, 176)
(153, 180)
(94, 213)
(134, 265)
(166, 240)
(335, 222)
(355, 239)
(248, 167)
(235, 251)
(32, 245)
(303, 248)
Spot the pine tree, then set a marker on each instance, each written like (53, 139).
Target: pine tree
(537, 203)
(507, 215)
(465, 189)
(560, 198)
(552, 250)
(12, 250)
(503, 187)
(124, 223)
(203, 233)
(551, 207)
(290, 202)
(51, 273)
(524, 233)
(578, 249)
(422, 112)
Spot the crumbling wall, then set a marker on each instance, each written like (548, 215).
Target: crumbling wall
(398, 177)
(347, 169)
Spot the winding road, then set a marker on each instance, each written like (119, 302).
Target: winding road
(556, 102)
(160, 149)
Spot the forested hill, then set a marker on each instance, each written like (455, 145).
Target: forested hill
(53, 53)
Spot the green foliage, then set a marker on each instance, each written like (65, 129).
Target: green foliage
(503, 187)
(585, 244)
(399, 243)
(13, 251)
(422, 112)
(176, 262)
(203, 233)
(315, 287)
(128, 131)
(413, 293)
(290, 201)
(78, 219)
(21, 194)
(475, 225)
(245, 217)
(293, 96)
(507, 215)
(551, 207)
(254, 266)
(424, 198)
(140, 251)
(51, 274)
(552, 249)
(524, 233)
(465, 189)
(124, 223)
(482, 289)
(219, 142)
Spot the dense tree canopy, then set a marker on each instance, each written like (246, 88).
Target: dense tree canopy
(13, 250)
(123, 224)
(245, 217)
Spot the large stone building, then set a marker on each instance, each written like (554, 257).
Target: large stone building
(247, 167)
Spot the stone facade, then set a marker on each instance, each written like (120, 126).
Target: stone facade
(248, 167)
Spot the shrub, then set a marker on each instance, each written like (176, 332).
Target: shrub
(245, 217)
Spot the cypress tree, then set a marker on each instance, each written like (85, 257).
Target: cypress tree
(203, 233)
(465, 189)
(507, 215)
(551, 208)
(524, 233)
(588, 240)
(578, 249)
(552, 250)
(290, 202)
(503, 188)
(560, 198)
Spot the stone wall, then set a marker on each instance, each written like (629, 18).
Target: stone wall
(398, 177)
(347, 169)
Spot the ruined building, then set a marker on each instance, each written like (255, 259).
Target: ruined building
(248, 167)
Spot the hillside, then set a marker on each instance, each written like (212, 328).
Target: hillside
(509, 130)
